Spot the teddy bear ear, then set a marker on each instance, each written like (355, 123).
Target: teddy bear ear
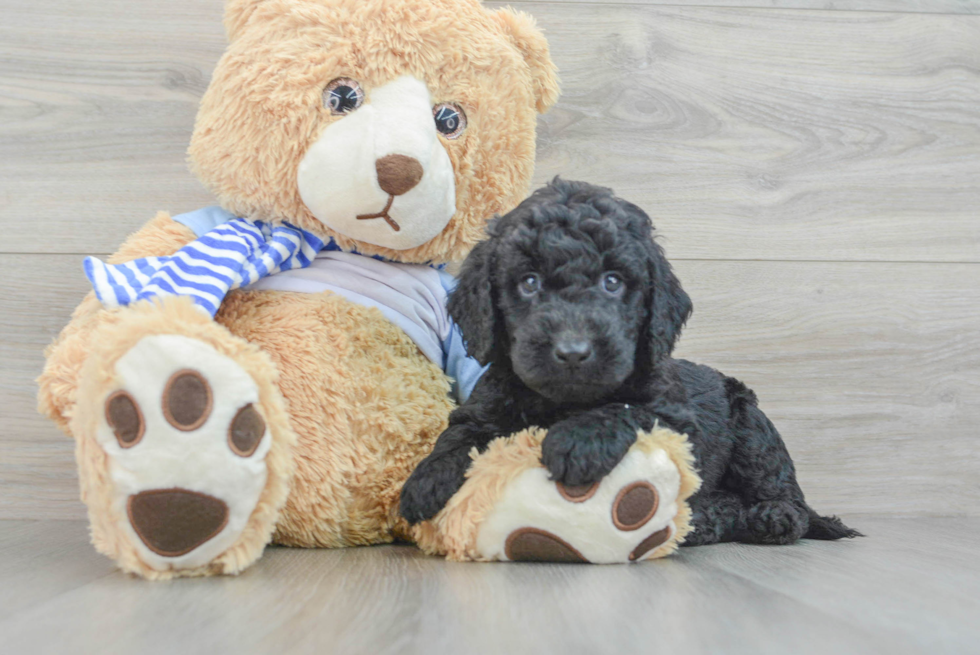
(237, 15)
(520, 27)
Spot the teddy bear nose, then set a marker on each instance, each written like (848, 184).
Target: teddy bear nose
(398, 174)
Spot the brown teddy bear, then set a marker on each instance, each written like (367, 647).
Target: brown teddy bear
(272, 369)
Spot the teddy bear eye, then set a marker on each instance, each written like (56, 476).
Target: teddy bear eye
(450, 119)
(343, 95)
(612, 284)
(529, 285)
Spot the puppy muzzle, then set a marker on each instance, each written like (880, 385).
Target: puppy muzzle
(571, 359)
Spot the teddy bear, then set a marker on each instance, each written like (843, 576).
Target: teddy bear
(273, 368)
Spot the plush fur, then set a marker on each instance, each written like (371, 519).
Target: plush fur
(454, 531)
(263, 109)
(576, 309)
(350, 402)
(119, 332)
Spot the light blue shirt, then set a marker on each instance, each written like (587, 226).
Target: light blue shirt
(412, 296)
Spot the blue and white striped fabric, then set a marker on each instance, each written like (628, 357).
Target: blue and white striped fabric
(232, 252)
(232, 255)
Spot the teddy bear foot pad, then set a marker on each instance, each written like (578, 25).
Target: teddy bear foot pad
(626, 517)
(633, 508)
(187, 445)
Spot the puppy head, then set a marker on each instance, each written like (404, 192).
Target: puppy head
(572, 293)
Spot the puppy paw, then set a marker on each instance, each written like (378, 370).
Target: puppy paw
(578, 455)
(431, 485)
(775, 522)
(636, 512)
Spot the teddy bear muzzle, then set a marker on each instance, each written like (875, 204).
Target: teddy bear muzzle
(397, 175)
(379, 173)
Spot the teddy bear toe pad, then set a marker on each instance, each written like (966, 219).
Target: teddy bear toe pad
(533, 545)
(625, 517)
(186, 445)
(173, 522)
(635, 504)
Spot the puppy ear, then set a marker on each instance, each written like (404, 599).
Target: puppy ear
(472, 304)
(668, 305)
(521, 29)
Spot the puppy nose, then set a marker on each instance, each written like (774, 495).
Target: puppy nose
(398, 174)
(573, 351)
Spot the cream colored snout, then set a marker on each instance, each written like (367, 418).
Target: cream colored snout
(380, 174)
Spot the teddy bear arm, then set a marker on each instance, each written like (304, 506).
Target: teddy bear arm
(65, 356)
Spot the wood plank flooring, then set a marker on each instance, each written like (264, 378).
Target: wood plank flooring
(814, 170)
(747, 134)
(911, 586)
(894, 6)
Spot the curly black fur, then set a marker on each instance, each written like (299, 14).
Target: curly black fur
(590, 361)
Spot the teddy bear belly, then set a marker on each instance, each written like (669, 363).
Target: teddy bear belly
(365, 403)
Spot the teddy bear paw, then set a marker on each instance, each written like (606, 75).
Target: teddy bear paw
(186, 442)
(627, 516)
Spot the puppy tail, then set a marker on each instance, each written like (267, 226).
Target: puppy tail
(828, 528)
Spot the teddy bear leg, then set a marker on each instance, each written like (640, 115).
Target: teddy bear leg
(509, 510)
(183, 442)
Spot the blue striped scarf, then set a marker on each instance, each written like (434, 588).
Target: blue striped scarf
(230, 256)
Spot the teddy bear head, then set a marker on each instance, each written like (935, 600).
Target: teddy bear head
(396, 127)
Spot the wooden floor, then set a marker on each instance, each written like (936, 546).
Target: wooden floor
(813, 167)
(911, 586)
(815, 175)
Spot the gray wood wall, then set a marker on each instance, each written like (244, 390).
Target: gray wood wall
(813, 167)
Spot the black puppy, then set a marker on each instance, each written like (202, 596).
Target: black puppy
(575, 308)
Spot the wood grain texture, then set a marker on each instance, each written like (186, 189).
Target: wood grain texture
(775, 134)
(37, 463)
(39, 560)
(786, 139)
(903, 566)
(97, 104)
(870, 595)
(870, 371)
(893, 6)
(749, 134)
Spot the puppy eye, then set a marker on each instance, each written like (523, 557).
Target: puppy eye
(529, 285)
(450, 119)
(343, 96)
(613, 284)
